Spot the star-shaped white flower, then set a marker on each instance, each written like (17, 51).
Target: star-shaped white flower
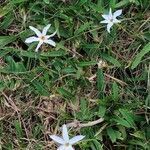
(41, 37)
(64, 142)
(110, 18)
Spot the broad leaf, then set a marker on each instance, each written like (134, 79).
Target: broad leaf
(139, 56)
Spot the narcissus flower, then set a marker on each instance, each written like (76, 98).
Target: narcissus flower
(41, 37)
(110, 19)
(64, 141)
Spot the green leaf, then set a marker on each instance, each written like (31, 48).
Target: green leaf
(113, 134)
(147, 35)
(66, 94)
(46, 1)
(13, 67)
(138, 143)
(139, 56)
(69, 70)
(115, 91)
(139, 134)
(87, 63)
(17, 1)
(112, 60)
(19, 131)
(4, 40)
(54, 53)
(28, 54)
(128, 116)
(5, 9)
(95, 145)
(37, 131)
(5, 51)
(40, 88)
(2, 87)
(81, 2)
(8, 19)
(112, 3)
(122, 3)
(101, 111)
(90, 46)
(43, 55)
(83, 27)
(122, 122)
(84, 113)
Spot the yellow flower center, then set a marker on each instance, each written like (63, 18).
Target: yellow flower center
(111, 20)
(67, 144)
(42, 38)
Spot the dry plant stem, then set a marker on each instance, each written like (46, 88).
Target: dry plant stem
(78, 124)
(75, 53)
(12, 105)
(148, 19)
(113, 78)
(64, 77)
(10, 101)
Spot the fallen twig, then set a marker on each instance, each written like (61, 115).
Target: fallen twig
(78, 124)
(113, 78)
(11, 102)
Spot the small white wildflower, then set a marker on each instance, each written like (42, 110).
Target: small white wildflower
(101, 64)
(110, 18)
(64, 142)
(41, 37)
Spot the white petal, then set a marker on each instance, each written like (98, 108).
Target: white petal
(105, 21)
(116, 21)
(50, 42)
(105, 17)
(65, 133)
(117, 13)
(46, 29)
(76, 139)
(62, 147)
(110, 14)
(69, 148)
(38, 46)
(37, 32)
(109, 25)
(57, 139)
(31, 39)
(48, 36)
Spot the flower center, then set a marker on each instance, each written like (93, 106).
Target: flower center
(42, 38)
(111, 20)
(67, 144)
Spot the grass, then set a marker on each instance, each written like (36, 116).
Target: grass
(39, 92)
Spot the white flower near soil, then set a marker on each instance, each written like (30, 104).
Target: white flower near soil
(110, 18)
(64, 141)
(41, 37)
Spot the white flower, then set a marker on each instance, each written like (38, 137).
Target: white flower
(64, 142)
(110, 18)
(101, 64)
(41, 37)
